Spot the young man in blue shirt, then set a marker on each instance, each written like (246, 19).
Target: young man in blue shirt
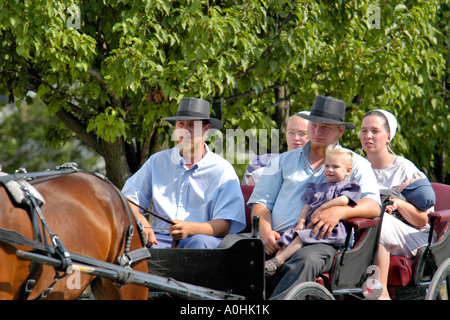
(190, 185)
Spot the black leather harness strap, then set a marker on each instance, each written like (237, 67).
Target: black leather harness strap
(58, 246)
(128, 258)
(15, 238)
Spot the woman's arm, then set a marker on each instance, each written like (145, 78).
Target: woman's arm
(417, 218)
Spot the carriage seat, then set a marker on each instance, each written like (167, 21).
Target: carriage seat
(247, 192)
(357, 257)
(403, 270)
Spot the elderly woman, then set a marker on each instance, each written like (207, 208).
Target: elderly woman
(405, 225)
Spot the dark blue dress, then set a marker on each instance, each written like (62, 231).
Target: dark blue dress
(315, 195)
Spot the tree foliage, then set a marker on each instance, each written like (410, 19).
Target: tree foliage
(126, 65)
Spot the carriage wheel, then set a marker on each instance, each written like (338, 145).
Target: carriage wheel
(309, 291)
(442, 274)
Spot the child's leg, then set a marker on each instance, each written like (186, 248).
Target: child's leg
(283, 255)
(272, 265)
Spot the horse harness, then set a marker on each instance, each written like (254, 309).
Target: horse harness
(24, 195)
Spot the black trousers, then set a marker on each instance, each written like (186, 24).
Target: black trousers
(305, 265)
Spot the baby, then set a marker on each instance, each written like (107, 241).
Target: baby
(336, 192)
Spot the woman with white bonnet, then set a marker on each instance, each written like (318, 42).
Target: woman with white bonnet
(405, 224)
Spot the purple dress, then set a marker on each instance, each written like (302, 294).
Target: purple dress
(315, 195)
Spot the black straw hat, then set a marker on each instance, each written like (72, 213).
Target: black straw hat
(194, 109)
(328, 110)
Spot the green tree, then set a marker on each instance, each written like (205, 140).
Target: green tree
(113, 71)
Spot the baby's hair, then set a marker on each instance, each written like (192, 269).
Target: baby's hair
(345, 154)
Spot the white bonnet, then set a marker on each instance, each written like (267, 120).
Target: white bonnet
(392, 121)
(303, 112)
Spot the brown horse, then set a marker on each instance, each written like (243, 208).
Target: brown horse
(90, 218)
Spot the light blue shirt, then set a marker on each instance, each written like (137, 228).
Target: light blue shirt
(208, 190)
(284, 180)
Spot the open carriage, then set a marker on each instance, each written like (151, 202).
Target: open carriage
(237, 266)
(233, 271)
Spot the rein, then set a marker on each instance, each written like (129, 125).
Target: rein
(128, 257)
(175, 243)
(152, 213)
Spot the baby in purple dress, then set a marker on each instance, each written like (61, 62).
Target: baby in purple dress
(336, 192)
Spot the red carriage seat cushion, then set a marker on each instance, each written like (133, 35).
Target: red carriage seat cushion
(400, 271)
(247, 192)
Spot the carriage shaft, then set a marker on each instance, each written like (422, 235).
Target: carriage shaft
(118, 274)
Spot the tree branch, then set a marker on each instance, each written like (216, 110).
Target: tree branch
(97, 76)
(80, 129)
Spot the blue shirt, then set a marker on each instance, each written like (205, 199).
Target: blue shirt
(208, 190)
(284, 181)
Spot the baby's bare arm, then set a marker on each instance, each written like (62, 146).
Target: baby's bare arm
(338, 201)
